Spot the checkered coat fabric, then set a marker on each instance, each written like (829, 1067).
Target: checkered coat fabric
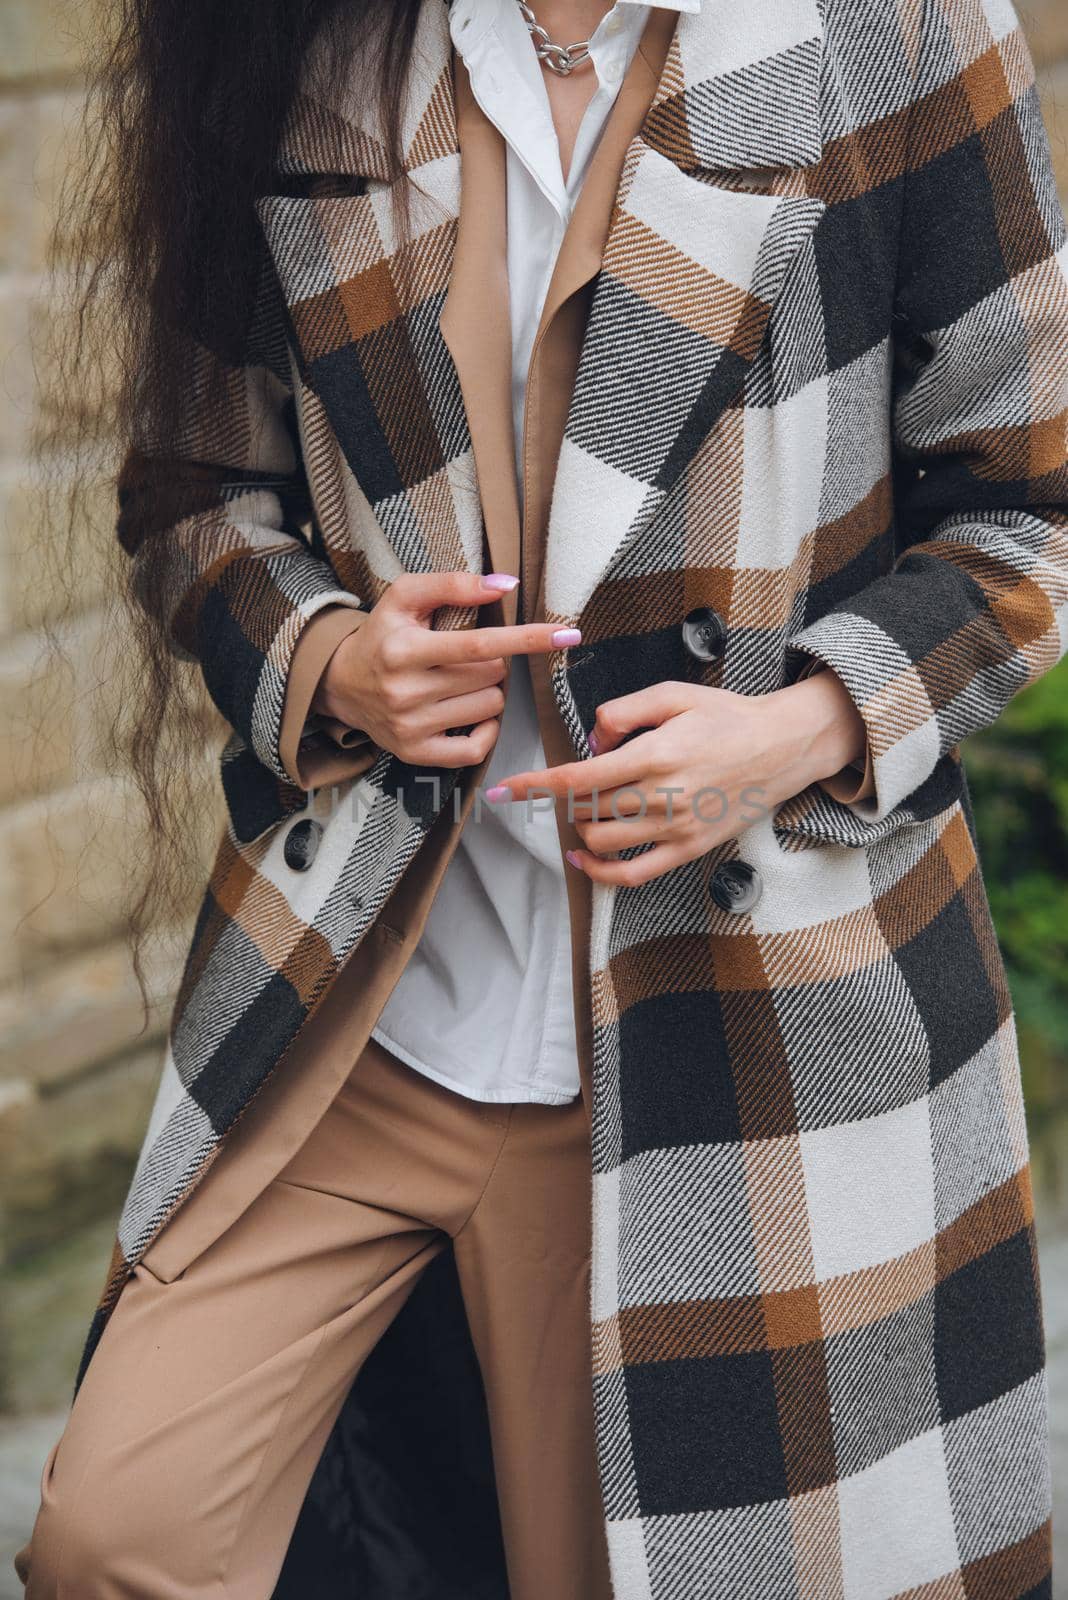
(823, 389)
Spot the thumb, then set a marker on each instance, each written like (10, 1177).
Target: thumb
(421, 593)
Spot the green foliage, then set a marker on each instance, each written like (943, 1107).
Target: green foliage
(1018, 776)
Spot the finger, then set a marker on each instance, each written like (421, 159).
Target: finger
(636, 870)
(629, 800)
(462, 710)
(465, 677)
(458, 749)
(645, 708)
(442, 646)
(625, 766)
(421, 593)
(605, 837)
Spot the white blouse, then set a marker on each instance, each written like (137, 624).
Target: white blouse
(484, 1005)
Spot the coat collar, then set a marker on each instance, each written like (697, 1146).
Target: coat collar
(741, 87)
(333, 126)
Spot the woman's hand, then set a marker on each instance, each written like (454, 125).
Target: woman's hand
(405, 683)
(708, 765)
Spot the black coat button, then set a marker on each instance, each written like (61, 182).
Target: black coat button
(704, 633)
(735, 886)
(302, 842)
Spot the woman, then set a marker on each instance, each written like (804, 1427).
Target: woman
(672, 425)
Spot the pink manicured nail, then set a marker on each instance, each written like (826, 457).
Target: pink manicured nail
(500, 791)
(499, 580)
(594, 745)
(563, 637)
(573, 858)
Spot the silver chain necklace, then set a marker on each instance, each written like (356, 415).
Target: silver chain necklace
(559, 58)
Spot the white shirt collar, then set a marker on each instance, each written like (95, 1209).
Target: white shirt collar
(469, 19)
(491, 38)
(690, 6)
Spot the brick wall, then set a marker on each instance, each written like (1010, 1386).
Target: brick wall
(75, 1079)
(77, 1068)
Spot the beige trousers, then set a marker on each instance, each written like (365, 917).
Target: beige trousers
(193, 1438)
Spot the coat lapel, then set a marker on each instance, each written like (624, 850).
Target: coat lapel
(692, 265)
(364, 290)
(476, 324)
(558, 344)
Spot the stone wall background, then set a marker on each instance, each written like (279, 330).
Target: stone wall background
(76, 1074)
(78, 1061)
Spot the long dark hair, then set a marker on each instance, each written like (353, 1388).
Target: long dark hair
(157, 237)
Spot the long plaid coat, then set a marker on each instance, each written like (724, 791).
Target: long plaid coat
(823, 388)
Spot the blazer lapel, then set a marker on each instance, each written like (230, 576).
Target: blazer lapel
(475, 324)
(692, 265)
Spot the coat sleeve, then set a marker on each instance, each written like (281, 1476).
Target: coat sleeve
(215, 529)
(976, 604)
(317, 750)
